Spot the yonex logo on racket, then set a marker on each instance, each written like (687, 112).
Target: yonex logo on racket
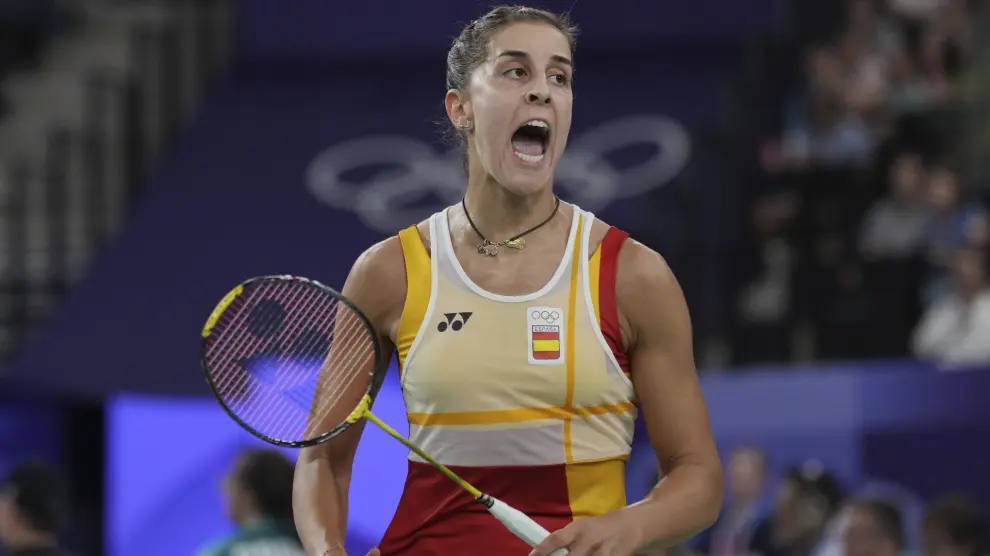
(453, 321)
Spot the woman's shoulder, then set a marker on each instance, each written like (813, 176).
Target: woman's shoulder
(599, 229)
(385, 259)
(637, 264)
(377, 281)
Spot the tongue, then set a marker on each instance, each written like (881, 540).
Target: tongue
(528, 145)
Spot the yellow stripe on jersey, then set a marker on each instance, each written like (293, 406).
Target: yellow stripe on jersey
(418, 284)
(569, 345)
(594, 268)
(522, 415)
(596, 488)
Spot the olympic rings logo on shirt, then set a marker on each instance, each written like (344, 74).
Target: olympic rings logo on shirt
(404, 180)
(547, 316)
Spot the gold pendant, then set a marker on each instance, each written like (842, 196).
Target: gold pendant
(488, 248)
(516, 243)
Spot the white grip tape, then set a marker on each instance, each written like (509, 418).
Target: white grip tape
(521, 524)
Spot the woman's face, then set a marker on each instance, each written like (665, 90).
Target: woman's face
(526, 78)
(862, 16)
(907, 178)
(968, 270)
(936, 542)
(943, 190)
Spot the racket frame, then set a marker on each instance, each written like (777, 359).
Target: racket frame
(378, 377)
(521, 525)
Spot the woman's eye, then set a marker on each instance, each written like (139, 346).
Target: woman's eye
(516, 72)
(560, 79)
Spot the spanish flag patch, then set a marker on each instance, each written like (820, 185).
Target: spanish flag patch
(546, 335)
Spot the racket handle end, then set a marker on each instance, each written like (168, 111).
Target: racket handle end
(520, 524)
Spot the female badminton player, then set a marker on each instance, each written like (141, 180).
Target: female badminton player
(529, 334)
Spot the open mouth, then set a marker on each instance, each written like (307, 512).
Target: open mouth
(529, 142)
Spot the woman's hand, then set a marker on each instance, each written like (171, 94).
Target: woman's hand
(374, 552)
(612, 534)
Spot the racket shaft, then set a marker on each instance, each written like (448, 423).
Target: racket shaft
(521, 524)
(416, 449)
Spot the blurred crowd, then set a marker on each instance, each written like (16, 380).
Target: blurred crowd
(868, 229)
(807, 512)
(36, 515)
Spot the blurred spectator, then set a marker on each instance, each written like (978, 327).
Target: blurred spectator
(865, 72)
(956, 221)
(895, 226)
(259, 502)
(954, 527)
(956, 328)
(849, 312)
(806, 501)
(828, 133)
(909, 91)
(934, 69)
(879, 33)
(764, 301)
(874, 528)
(33, 510)
(732, 533)
(914, 9)
(881, 90)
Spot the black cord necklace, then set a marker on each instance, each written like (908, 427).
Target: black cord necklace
(490, 248)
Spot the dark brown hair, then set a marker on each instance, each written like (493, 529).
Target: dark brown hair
(267, 475)
(886, 516)
(470, 48)
(961, 521)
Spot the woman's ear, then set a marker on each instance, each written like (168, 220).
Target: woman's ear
(458, 109)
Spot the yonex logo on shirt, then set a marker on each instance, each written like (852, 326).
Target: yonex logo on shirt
(453, 321)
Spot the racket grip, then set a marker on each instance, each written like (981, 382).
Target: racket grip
(520, 524)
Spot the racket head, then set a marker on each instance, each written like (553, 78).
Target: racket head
(276, 345)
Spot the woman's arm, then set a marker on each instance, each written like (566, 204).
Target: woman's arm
(376, 284)
(689, 497)
(319, 492)
(657, 334)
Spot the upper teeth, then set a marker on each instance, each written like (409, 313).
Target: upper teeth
(537, 123)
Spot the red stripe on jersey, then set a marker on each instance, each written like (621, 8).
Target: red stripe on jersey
(435, 516)
(607, 307)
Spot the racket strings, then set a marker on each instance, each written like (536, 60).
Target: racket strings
(302, 399)
(335, 368)
(293, 329)
(245, 345)
(240, 341)
(286, 370)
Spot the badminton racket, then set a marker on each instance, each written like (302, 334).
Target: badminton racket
(295, 363)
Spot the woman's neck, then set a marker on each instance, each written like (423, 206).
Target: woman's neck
(500, 214)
